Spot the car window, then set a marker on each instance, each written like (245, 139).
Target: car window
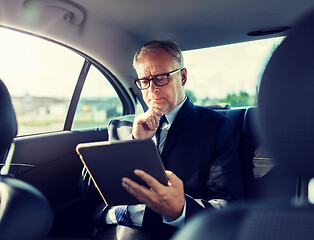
(98, 103)
(228, 74)
(41, 76)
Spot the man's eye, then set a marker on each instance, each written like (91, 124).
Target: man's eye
(144, 82)
(161, 78)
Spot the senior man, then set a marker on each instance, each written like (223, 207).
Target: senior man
(196, 145)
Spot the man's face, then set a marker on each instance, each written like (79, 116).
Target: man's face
(165, 98)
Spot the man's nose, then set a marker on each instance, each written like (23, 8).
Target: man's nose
(153, 87)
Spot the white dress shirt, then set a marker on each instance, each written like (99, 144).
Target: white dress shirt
(136, 212)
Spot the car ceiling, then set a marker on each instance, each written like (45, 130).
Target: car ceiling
(112, 30)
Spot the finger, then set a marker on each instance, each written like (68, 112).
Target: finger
(130, 182)
(148, 179)
(139, 122)
(156, 118)
(155, 121)
(173, 179)
(142, 119)
(170, 184)
(150, 124)
(138, 191)
(134, 193)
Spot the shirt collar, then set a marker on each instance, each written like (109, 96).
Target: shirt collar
(172, 115)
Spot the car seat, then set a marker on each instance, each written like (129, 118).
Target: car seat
(24, 212)
(286, 119)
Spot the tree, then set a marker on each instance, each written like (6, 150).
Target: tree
(240, 100)
(191, 95)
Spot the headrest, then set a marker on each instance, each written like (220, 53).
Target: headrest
(286, 100)
(250, 127)
(8, 123)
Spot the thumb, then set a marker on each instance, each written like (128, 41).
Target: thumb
(173, 180)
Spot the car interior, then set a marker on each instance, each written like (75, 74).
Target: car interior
(45, 168)
(24, 210)
(290, 144)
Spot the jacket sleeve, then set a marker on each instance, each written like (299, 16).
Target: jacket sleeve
(224, 183)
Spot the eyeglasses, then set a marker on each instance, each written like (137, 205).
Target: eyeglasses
(159, 80)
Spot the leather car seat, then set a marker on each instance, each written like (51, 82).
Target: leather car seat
(286, 119)
(25, 213)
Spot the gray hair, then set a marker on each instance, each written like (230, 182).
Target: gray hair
(169, 46)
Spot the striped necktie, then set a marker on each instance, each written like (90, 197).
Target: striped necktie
(162, 120)
(122, 216)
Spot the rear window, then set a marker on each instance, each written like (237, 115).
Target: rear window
(41, 76)
(229, 75)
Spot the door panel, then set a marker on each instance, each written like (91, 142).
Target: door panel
(57, 91)
(50, 163)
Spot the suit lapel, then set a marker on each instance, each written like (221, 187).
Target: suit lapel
(184, 115)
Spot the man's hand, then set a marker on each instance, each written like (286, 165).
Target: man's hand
(145, 125)
(165, 200)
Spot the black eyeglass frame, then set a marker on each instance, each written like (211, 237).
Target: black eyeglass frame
(153, 79)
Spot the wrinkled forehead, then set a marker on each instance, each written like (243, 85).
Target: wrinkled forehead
(154, 53)
(154, 63)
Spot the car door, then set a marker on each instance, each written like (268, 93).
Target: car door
(61, 98)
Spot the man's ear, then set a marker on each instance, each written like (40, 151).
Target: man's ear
(184, 76)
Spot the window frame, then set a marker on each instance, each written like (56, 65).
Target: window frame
(128, 104)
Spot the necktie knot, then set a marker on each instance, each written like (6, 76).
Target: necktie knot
(162, 120)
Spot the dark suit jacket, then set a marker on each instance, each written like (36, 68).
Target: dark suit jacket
(200, 150)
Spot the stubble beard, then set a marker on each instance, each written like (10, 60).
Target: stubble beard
(162, 110)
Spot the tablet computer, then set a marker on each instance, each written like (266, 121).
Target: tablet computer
(108, 162)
